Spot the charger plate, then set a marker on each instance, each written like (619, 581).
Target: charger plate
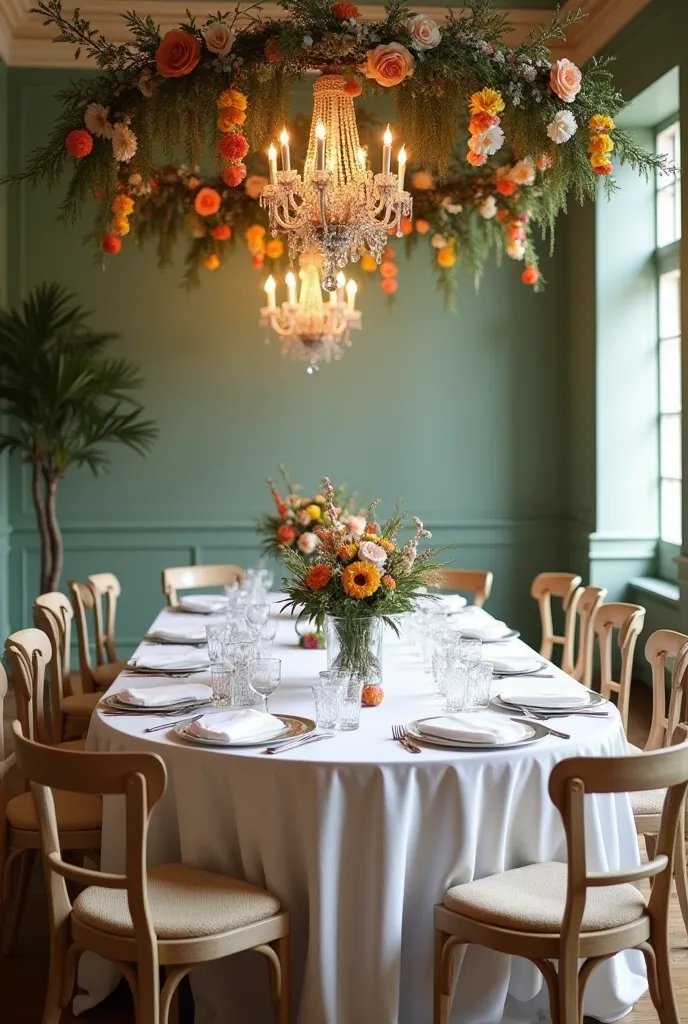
(294, 728)
(594, 701)
(535, 732)
(182, 704)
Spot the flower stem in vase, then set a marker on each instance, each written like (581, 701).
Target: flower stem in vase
(354, 646)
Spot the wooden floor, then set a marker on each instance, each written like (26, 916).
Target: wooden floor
(23, 976)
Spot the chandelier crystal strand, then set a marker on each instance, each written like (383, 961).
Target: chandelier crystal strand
(339, 209)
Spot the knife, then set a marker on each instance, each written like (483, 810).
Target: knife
(299, 743)
(552, 732)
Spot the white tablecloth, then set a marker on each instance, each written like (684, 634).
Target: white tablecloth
(359, 839)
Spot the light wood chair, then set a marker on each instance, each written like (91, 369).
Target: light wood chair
(564, 912)
(476, 582)
(193, 577)
(103, 674)
(70, 713)
(106, 589)
(567, 587)
(590, 600)
(78, 816)
(628, 620)
(170, 915)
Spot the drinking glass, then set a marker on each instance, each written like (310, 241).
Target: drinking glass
(446, 653)
(328, 694)
(267, 578)
(456, 688)
(264, 676)
(258, 615)
(267, 638)
(237, 655)
(221, 678)
(479, 682)
(471, 651)
(351, 703)
(216, 636)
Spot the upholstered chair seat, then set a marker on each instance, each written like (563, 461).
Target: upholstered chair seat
(105, 675)
(76, 812)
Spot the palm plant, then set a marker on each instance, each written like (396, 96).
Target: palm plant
(64, 400)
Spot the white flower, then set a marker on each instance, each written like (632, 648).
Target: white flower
(96, 120)
(438, 241)
(488, 208)
(218, 38)
(451, 207)
(308, 41)
(303, 517)
(563, 127)
(124, 144)
(307, 543)
(135, 179)
(515, 250)
(487, 142)
(369, 551)
(523, 172)
(355, 525)
(425, 35)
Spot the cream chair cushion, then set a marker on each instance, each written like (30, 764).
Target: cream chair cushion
(80, 705)
(105, 675)
(185, 903)
(76, 812)
(648, 801)
(532, 899)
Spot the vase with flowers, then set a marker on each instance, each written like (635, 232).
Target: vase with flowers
(355, 585)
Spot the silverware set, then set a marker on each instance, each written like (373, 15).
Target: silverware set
(399, 734)
(299, 742)
(182, 709)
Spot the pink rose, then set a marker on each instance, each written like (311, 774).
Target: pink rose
(425, 35)
(355, 525)
(254, 185)
(218, 38)
(565, 80)
(369, 551)
(388, 64)
(307, 543)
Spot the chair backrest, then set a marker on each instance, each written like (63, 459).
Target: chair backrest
(141, 779)
(628, 620)
(105, 587)
(567, 587)
(53, 614)
(476, 581)
(662, 646)
(574, 778)
(192, 577)
(28, 653)
(588, 603)
(83, 601)
(3, 694)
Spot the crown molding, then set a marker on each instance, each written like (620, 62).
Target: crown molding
(26, 42)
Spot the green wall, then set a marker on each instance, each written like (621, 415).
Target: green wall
(458, 414)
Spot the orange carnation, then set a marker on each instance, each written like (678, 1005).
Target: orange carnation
(389, 270)
(234, 175)
(476, 159)
(221, 233)
(506, 187)
(318, 576)
(79, 143)
(207, 202)
(178, 54)
(422, 226)
(111, 243)
(229, 118)
(389, 582)
(233, 146)
(481, 121)
(344, 11)
(389, 285)
(346, 552)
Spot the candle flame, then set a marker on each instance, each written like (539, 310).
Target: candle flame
(320, 130)
(387, 137)
(284, 137)
(272, 152)
(290, 280)
(270, 284)
(402, 155)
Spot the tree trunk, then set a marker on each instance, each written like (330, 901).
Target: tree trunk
(42, 521)
(56, 543)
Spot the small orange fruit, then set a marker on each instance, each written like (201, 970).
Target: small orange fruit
(372, 696)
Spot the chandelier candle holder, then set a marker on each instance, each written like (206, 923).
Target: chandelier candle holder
(339, 208)
(310, 328)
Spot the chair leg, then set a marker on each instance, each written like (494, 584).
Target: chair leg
(148, 993)
(569, 1000)
(549, 973)
(26, 862)
(283, 1001)
(443, 994)
(169, 998)
(681, 878)
(662, 991)
(54, 996)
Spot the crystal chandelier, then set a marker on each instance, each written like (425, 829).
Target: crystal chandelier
(310, 328)
(339, 208)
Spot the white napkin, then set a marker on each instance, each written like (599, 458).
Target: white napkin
(242, 724)
(452, 603)
(517, 665)
(172, 658)
(180, 634)
(152, 696)
(204, 604)
(475, 727)
(487, 631)
(540, 696)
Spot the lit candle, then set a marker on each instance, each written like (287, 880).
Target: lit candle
(351, 289)
(387, 151)
(341, 281)
(320, 146)
(361, 158)
(272, 163)
(290, 282)
(402, 167)
(284, 150)
(270, 291)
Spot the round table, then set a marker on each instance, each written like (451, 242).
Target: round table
(359, 839)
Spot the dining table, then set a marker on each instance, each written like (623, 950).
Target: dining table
(359, 838)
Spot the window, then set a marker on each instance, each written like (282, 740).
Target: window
(668, 220)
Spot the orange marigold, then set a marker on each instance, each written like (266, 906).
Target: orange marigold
(361, 579)
(318, 576)
(347, 552)
(228, 117)
(386, 544)
(389, 582)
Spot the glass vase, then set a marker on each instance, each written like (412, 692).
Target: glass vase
(354, 646)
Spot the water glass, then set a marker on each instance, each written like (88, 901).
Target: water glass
(267, 638)
(237, 655)
(221, 678)
(351, 703)
(446, 652)
(258, 614)
(267, 577)
(456, 688)
(471, 651)
(216, 636)
(264, 676)
(328, 694)
(479, 684)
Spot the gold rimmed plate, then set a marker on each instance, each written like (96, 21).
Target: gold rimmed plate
(533, 731)
(294, 728)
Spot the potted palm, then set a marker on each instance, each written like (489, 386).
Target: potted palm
(62, 399)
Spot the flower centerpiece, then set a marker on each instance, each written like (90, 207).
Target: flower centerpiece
(357, 583)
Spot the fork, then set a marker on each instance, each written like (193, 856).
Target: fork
(399, 734)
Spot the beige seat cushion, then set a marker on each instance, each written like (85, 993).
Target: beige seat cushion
(80, 705)
(76, 812)
(105, 675)
(185, 903)
(648, 801)
(533, 898)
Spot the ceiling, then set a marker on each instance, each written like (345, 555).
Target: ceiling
(25, 42)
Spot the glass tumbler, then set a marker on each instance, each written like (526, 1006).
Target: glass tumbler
(471, 651)
(479, 684)
(351, 703)
(456, 687)
(328, 694)
(237, 655)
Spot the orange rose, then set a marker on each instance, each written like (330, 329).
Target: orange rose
(565, 80)
(389, 285)
(422, 226)
(389, 270)
(207, 202)
(476, 159)
(389, 64)
(178, 54)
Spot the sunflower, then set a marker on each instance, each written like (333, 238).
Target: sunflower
(361, 579)
(318, 577)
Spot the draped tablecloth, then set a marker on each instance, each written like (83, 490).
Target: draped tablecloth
(359, 839)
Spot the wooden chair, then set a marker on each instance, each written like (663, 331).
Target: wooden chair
(106, 588)
(590, 600)
(629, 620)
(170, 915)
(194, 577)
(78, 817)
(103, 674)
(476, 582)
(564, 912)
(70, 713)
(567, 586)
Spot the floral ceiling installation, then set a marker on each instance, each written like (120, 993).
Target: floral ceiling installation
(222, 86)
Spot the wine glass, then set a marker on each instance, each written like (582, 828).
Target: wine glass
(264, 676)
(258, 615)
(267, 577)
(267, 638)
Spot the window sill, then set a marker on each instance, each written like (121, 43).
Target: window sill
(667, 592)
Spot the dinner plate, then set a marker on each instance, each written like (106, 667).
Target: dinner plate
(166, 670)
(537, 665)
(512, 634)
(536, 732)
(184, 702)
(594, 701)
(177, 641)
(294, 727)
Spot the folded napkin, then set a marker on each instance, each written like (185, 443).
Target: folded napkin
(491, 630)
(180, 634)
(204, 604)
(475, 727)
(517, 665)
(540, 696)
(242, 724)
(170, 693)
(171, 658)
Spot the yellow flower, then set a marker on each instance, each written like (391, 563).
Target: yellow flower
(347, 552)
(120, 225)
(487, 101)
(368, 263)
(274, 248)
(229, 117)
(601, 123)
(123, 204)
(599, 160)
(211, 262)
(314, 511)
(361, 579)
(371, 536)
(386, 544)
(601, 143)
(446, 257)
